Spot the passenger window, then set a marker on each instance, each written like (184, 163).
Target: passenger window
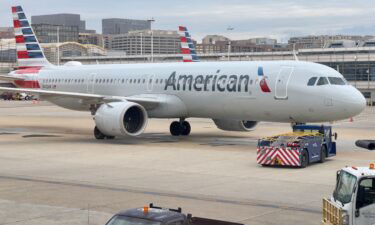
(366, 193)
(322, 81)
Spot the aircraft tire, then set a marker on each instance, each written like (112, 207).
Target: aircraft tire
(98, 134)
(175, 128)
(186, 128)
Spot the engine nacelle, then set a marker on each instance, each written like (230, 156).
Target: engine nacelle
(235, 125)
(121, 119)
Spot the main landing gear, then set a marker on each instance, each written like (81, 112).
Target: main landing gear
(181, 127)
(100, 136)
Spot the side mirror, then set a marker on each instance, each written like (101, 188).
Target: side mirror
(335, 135)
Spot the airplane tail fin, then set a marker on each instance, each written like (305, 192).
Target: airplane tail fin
(30, 55)
(187, 47)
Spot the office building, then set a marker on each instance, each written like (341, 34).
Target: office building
(47, 33)
(212, 39)
(6, 32)
(91, 38)
(139, 42)
(320, 41)
(62, 19)
(123, 26)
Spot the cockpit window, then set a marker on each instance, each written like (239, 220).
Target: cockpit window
(322, 81)
(312, 81)
(336, 81)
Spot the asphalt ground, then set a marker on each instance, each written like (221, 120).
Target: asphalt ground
(53, 171)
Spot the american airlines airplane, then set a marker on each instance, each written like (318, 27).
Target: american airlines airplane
(235, 95)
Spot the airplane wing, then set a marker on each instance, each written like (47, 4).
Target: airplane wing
(147, 101)
(10, 78)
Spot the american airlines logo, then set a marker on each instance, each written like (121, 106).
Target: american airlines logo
(220, 83)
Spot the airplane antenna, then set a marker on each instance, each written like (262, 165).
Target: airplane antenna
(295, 53)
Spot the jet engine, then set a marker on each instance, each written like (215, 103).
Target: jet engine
(121, 119)
(235, 125)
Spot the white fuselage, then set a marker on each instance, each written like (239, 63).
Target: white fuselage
(220, 90)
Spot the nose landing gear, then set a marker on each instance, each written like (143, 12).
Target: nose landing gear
(181, 127)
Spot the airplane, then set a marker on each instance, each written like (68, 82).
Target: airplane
(235, 95)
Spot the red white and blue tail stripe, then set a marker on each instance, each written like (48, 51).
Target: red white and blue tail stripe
(30, 56)
(187, 47)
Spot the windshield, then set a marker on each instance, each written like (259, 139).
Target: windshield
(345, 187)
(322, 81)
(124, 220)
(336, 81)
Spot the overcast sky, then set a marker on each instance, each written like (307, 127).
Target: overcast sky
(250, 18)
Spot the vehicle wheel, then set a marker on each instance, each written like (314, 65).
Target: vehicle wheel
(98, 134)
(186, 128)
(175, 128)
(323, 154)
(304, 159)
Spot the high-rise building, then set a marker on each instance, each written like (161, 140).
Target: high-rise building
(139, 42)
(63, 19)
(47, 33)
(123, 26)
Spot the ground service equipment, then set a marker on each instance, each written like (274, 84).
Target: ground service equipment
(306, 144)
(153, 215)
(353, 200)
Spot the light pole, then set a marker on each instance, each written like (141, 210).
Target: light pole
(229, 42)
(152, 39)
(58, 45)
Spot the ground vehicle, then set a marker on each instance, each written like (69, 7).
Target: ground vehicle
(306, 144)
(153, 215)
(353, 200)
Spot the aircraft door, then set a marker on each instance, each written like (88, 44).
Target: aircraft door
(150, 82)
(282, 81)
(91, 83)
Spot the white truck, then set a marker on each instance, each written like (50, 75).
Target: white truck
(353, 200)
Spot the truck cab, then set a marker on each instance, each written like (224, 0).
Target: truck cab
(353, 200)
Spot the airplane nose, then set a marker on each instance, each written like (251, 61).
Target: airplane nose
(358, 102)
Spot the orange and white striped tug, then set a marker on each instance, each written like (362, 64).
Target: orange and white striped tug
(306, 144)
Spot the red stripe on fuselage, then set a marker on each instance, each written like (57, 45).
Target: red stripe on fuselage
(27, 83)
(183, 39)
(28, 70)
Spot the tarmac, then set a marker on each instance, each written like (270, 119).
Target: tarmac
(53, 171)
